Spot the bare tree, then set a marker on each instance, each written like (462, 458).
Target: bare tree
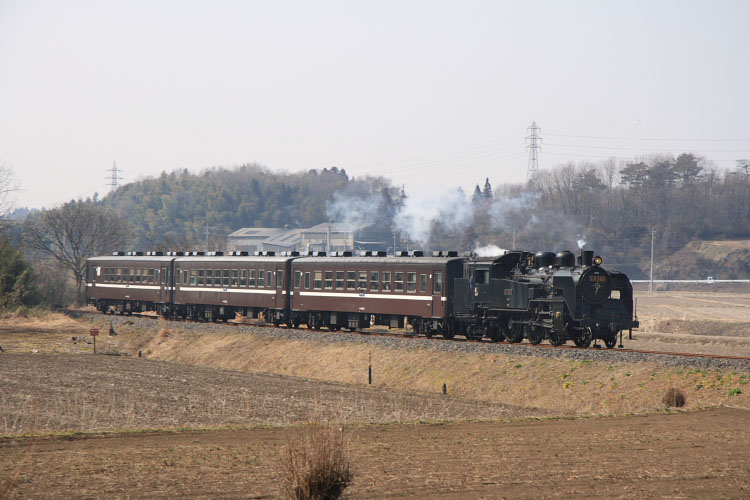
(73, 232)
(8, 185)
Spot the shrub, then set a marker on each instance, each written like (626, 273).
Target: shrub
(674, 398)
(315, 464)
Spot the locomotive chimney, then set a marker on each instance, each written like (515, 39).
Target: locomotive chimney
(587, 258)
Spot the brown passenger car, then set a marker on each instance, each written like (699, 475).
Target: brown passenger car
(349, 292)
(129, 283)
(219, 287)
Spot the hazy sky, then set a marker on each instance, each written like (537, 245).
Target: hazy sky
(431, 94)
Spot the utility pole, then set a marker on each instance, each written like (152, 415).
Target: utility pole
(534, 145)
(651, 276)
(208, 232)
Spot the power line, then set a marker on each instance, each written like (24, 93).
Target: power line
(645, 138)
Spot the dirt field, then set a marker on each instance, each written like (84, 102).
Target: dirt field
(684, 455)
(47, 393)
(215, 378)
(694, 321)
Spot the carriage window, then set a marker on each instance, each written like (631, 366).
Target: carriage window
(132, 275)
(374, 276)
(144, 274)
(193, 281)
(201, 273)
(386, 281)
(269, 278)
(307, 280)
(158, 273)
(225, 273)
(437, 284)
(185, 278)
(339, 280)
(243, 277)
(411, 282)
(253, 274)
(234, 277)
(362, 280)
(164, 274)
(279, 279)
(137, 275)
(151, 276)
(297, 279)
(398, 282)
(351, 280)
(318, 280)
(422, 283)
(261, 278)
(179, 276)
(118, 276)
(329, 280)
(209, 277)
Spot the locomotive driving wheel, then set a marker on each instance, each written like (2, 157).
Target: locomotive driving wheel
(494, 332)
(534, 333)
(555, 338)
(514, 334)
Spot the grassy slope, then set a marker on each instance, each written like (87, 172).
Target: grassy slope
(572, 387)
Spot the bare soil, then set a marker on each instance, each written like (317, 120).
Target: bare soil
(702, 454)
(693, 321)
(42, 393)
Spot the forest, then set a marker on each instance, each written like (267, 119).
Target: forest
(613, 206)
(616, 209)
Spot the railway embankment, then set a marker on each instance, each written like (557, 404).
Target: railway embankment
(570, 381)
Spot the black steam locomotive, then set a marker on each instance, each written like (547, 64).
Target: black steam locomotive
(543, 296)
(515, 296)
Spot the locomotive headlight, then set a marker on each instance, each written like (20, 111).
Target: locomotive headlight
(597, 261)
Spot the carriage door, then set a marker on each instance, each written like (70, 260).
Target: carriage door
(163, 291)
(280, 302)
(437, 293)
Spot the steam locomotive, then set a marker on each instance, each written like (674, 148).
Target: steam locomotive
(516, 296)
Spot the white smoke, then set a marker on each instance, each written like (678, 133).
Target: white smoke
(416, 216)
(581, 241)
(489, 251)
(355, 209)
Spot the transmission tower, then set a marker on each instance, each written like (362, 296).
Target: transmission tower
(113, 179)
(534, 145)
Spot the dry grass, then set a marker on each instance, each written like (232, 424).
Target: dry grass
(315, 464)
(560, 385)
(674, 398)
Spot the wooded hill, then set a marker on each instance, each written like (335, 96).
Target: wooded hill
(613, 208)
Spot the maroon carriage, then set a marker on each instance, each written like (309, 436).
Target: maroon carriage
(351, 291)
(218, 287)
(131, 282)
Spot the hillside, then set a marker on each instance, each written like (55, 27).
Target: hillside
(720, 259)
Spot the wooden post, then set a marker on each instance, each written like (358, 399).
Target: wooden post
(445, 389)
(369, 369)
(94, 332)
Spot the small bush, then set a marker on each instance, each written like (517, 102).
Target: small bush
(674, 398)
(315, 464)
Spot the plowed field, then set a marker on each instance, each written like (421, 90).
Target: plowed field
(702, 454)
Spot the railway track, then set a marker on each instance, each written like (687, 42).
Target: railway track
(384, 333)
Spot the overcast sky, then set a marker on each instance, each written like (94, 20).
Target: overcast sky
(431, 94)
